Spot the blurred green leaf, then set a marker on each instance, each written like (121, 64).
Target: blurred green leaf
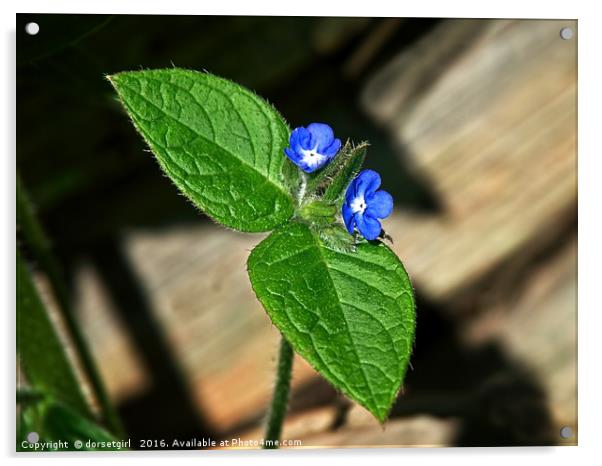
(349, 314)
(54, 422)
(41, 354)
(36, 240)
(221, 144)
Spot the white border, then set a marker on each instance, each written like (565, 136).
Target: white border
(590, 182)
(425, 8)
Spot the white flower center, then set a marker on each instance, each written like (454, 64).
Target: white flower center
(312, 158)
(358, 205)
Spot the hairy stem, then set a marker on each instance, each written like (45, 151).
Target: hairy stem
(280, 396)
(302, 188)
(36, 239)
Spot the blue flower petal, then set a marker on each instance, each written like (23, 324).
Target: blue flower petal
(316, 137)
(294, 137)
(368, 226)
(379, 204)
(308, 168)
(291, 154)
(367, 182)
(350, 194)
(321, 136)
(348, 218)
(332, 149)
(300, 140)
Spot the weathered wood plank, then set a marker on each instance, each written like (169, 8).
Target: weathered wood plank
(494, 134)
(220, 334)
(538, 328)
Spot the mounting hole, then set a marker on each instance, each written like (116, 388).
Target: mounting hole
(32, 28)
(566, 432)
(566, 33)
(33, 437)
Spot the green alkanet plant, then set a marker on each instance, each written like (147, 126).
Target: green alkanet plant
(344, 303)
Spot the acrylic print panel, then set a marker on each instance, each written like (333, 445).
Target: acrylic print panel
(210, 257)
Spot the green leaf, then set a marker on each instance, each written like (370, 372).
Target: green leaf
(349, 314)
(349, 166)
(41, 354)
(55, 422)
(220, 144)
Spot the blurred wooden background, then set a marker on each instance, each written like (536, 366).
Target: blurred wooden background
(484, 113)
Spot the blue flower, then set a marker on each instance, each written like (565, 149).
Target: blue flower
(313, 147)
(364, 205)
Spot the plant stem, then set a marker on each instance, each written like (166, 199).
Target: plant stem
(37, 240)
(280, 396)
(302, 188)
